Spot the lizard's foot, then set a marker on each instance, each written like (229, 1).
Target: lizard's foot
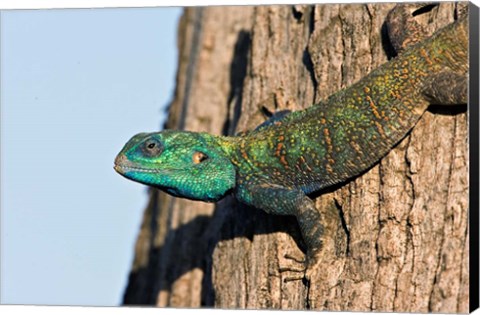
(405, 26)
(302, 268)
(408, 24)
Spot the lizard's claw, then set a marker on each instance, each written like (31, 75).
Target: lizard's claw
(298, 268)
(295, 259)
(303, 269)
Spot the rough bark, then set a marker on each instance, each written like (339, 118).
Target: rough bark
(399, 237)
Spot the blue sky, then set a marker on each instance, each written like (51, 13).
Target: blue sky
(76, 84)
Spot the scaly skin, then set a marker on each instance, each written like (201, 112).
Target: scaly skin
(275, 166)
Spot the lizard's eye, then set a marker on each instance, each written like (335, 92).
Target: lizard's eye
(152, 147)
(199, 157)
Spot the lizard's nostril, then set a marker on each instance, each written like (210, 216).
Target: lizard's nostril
(120, 160)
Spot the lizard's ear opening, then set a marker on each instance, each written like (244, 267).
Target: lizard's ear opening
(198, 157)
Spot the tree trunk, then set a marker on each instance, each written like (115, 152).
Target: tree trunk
(399, 232)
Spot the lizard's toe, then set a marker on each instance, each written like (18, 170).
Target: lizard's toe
(295, 270)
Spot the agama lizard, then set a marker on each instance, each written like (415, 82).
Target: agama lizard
(276, 166)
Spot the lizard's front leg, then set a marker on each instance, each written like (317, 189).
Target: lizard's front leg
(279, 200)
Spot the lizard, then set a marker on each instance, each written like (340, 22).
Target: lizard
(294, 154)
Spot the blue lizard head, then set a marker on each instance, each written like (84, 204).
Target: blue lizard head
(184, 164)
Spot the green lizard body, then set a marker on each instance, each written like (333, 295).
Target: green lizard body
(275, 166)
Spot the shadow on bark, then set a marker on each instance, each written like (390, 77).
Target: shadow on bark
(201, 236)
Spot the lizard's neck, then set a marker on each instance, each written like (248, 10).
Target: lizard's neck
(228, 144)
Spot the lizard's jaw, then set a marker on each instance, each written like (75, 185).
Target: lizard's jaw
(123, 166)
(151, 176)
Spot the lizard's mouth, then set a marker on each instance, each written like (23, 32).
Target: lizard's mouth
(127, 168)
(122, 165)
(147, 176)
